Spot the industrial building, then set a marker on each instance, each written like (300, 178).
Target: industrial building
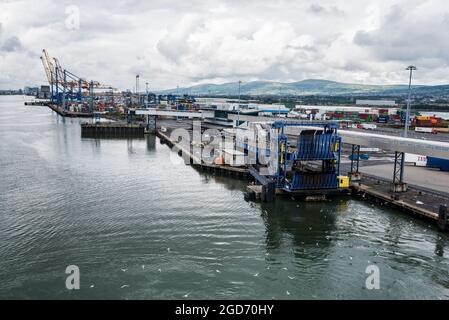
(44, 92)
(376, 103)
(31, 91)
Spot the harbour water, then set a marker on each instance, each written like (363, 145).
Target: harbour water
(142, 227)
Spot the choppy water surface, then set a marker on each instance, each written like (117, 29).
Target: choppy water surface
(140, 227)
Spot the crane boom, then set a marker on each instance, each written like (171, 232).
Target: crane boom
(59, 69)
(47, 70)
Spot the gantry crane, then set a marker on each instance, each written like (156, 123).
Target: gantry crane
(66, 86)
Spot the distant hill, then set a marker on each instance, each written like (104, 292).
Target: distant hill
(307, 87)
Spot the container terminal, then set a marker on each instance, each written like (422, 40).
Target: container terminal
(318, 151)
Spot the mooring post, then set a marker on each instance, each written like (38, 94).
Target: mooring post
(270, 191)
(443, 218)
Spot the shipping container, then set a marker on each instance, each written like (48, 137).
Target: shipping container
(420, 118)
(383, 119)
(427, 121)
(443, 130)
(369, 149)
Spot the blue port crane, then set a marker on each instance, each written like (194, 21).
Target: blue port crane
(66, 86)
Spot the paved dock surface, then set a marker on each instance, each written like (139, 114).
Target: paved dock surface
(422, 203)
(411, 134)
(420, 176)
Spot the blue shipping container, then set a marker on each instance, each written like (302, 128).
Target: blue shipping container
(383, 119)
(442, 164)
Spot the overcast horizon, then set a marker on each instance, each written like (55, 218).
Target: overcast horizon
(171, 43)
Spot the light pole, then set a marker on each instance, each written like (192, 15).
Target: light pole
(147, 93)
(238, 107)
(280, 100)
(137, 88)
(400, 157)
(407, 113)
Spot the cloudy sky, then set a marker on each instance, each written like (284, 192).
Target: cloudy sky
(177, 42)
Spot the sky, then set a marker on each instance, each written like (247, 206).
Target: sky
(181, 43)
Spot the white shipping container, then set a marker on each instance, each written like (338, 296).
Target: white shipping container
(234, 158)
(415, 159)
(367, 149)
(369, 126)
(293, 114)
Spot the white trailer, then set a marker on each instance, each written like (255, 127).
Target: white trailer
(415, 159)
(426, 130)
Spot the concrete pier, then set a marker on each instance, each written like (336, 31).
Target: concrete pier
(420, 202)
(37, 103)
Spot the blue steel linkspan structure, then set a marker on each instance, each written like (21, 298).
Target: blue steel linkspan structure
(309, 160)
(313, 162)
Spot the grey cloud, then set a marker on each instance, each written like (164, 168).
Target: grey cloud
(364, 38)
(407, 37)
(186, 42)
(316, 8)
(11, 45)
(175, 44)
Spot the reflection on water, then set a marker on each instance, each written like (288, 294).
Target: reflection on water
(142, 227)
(151, 142)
